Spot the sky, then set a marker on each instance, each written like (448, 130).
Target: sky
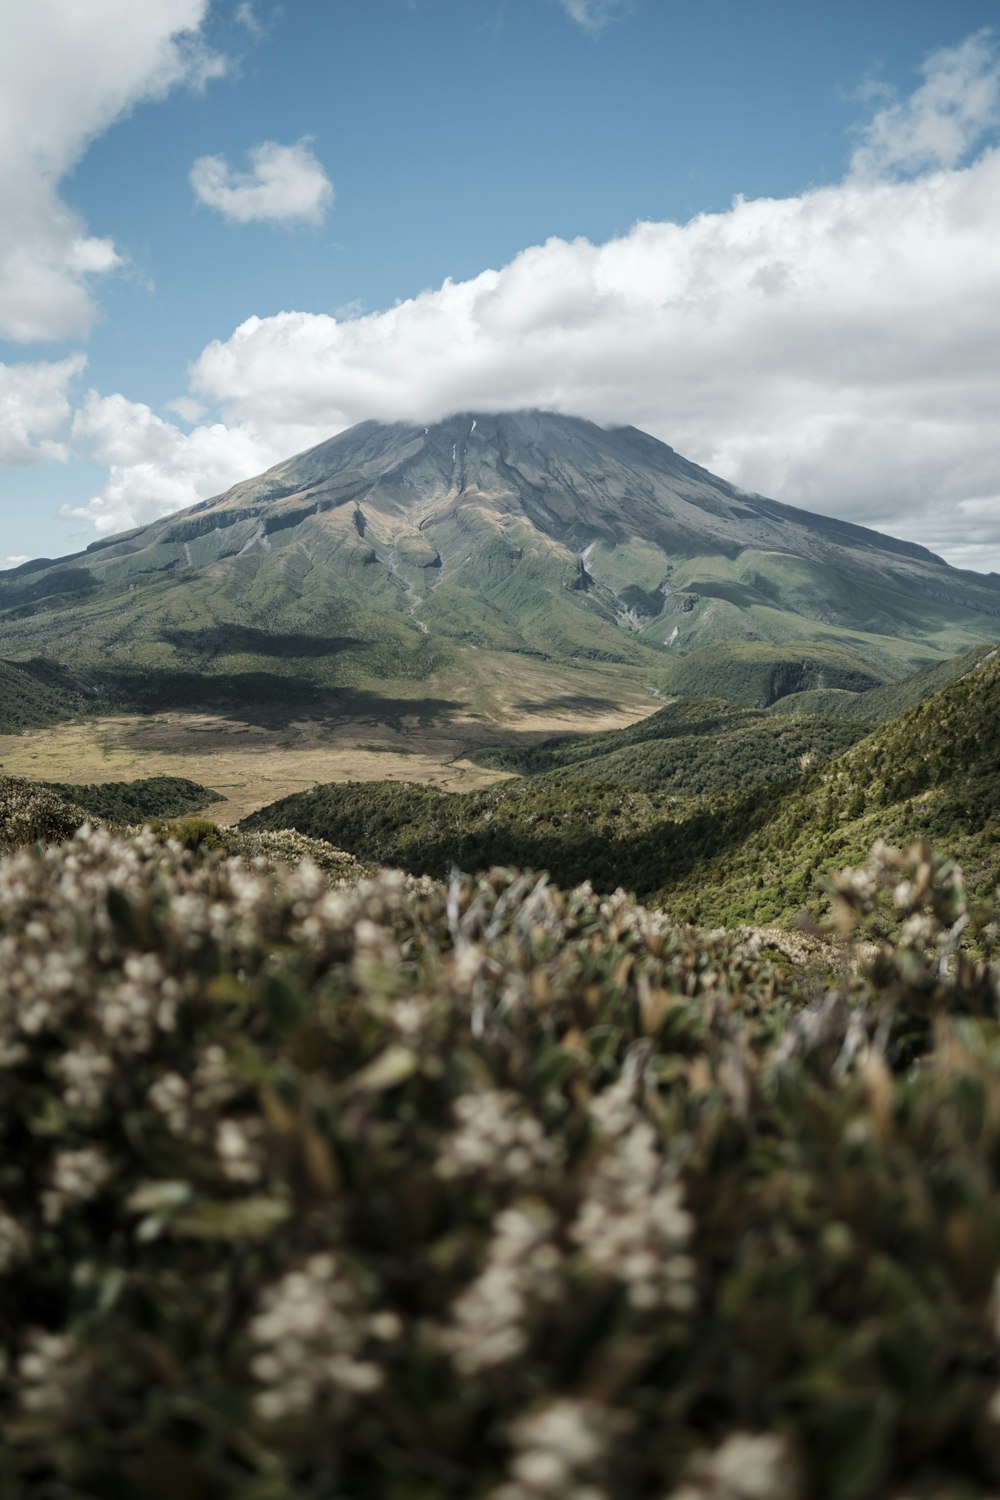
(767, 233)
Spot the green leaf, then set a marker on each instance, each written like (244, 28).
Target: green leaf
(231, 1219)
(158, 1197)
(387, 1071)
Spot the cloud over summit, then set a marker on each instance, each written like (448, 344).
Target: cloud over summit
(835, 349)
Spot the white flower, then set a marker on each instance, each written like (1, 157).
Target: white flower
(50, 1374)
(632, 1225)
(561, 1452)
(496, 1138)
(746, 1466)
(77, 1177)
(493, 1317)
(311, 1333)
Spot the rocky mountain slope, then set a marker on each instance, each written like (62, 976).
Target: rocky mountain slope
(398, 552)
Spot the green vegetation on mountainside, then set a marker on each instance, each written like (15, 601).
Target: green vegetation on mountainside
(751, 754)
(727, 857)
(578, 831)
(685, 717)
(38, 692)
(933, 773)
(881, 704)
(758, 673)
(689, 747)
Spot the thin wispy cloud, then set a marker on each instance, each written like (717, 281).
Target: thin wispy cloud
(594, 15)
(245, 16)
(285, 185)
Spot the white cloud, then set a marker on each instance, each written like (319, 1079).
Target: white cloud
(955, 106)
(836, 350)
(187, 408)
(34, 409)
(594, 15)
(286, 184)
(67, 72)
(154, 467)
(14, 560)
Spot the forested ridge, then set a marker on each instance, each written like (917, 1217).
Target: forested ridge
(727, 855)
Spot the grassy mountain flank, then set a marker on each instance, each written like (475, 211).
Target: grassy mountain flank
(880, 704)
(694, 745)
(933, 773)
(759, 673)
(725, 857)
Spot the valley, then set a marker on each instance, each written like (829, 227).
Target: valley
(255, 761)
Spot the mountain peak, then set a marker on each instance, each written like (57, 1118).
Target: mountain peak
(396, 549)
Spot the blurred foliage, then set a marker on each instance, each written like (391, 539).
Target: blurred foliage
(29, 812)
(396, 1188)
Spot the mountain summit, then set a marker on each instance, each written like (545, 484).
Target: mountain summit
(396, 550)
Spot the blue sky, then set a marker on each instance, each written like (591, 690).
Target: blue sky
(445, 216)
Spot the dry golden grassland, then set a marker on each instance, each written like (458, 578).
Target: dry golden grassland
(251, 765)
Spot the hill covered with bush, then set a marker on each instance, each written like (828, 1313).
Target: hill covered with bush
(725, 857)
(689, 747)
(404, 1189)
(136, 801)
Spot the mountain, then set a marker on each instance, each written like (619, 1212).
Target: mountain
(402, 553)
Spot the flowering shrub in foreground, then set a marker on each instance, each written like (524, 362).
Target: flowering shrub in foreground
(402, 1189)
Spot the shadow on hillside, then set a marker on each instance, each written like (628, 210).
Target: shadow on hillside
(268, 701)
(234, 640)
(570, 703)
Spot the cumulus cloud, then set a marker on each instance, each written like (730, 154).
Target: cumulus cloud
(285, 185)
(594, 15)
(67, 72)
(955, 106)
(836, 350)
(34, 409)
(154, 467)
